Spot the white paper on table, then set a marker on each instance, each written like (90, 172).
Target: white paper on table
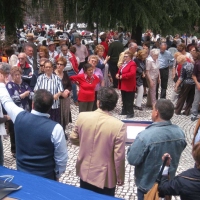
(132, 131)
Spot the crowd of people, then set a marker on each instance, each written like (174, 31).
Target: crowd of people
(38, 82)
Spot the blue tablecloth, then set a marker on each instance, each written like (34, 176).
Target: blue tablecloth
(38, 188)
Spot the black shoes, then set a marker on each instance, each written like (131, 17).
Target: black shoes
(138, 108)
(123, 113)
(130, 116)
(193, 118)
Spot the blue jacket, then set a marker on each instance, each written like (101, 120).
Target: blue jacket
(148, 148)
(34, 148)
(186, 188)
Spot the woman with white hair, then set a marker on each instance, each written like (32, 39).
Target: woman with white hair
(152, 74)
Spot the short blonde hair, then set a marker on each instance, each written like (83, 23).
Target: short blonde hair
(99, 48)
(181, 59)
(141, 53)
(93, 57)
(15, 69)
(129, 53)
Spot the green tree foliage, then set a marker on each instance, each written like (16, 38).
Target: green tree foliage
(168, 16)
(11, 15)
(164, 16)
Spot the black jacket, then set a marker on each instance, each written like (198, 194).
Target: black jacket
(187, 189)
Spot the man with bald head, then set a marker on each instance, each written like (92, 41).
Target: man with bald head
(26, 69)
(132, 47)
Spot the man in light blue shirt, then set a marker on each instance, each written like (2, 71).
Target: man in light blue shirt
(165, 59)
(40, 143)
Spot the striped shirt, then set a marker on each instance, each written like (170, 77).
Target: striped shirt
(52, 84)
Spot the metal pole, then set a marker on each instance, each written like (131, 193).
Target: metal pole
(97, 29)
(76, 12)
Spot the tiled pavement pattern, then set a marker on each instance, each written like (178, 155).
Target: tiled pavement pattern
(128, 191)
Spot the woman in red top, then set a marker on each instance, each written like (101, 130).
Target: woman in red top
(127, 84)
(87, 83)
(105, 44)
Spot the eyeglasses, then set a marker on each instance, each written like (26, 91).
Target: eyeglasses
(60, 64)
(95, 61)
(41, 65)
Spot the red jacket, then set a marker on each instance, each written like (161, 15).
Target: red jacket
(105, 44)
(128, 81)
(87, 90)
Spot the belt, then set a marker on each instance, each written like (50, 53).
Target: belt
(70, 70)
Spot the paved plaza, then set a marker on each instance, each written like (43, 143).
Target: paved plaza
(128, 191)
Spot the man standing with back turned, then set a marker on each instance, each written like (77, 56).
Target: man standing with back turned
(101, 137)
(149, 146)
(40, 142)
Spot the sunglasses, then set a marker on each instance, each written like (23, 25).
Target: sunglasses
(60, 64)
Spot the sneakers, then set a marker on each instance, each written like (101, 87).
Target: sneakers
(193, 118)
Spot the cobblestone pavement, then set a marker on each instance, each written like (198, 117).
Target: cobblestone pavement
(128, 191)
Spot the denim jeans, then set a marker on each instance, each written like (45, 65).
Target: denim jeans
(140, 194)
(1, 151)
(195, 104)
(74, 89)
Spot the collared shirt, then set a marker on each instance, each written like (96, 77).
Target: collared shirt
(30, 59)
(81, 52)
(2, 125)
(57, 138)
(165, 59)
(153, 67)
(52, 84)
(197, 137)
(52, 56)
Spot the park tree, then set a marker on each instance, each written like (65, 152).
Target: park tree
(11, 15)
(168, 16)
(161, 16)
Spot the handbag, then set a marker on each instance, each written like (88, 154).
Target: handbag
(153, 194)
(175, 78)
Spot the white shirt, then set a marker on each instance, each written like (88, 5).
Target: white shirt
(57, 138)
(2, 125)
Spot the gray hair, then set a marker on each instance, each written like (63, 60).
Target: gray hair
(43, 60)
(64, 45)
(5, 68)
(154, 52)
(132, 44)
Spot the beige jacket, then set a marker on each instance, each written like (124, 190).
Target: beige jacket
(101, 158)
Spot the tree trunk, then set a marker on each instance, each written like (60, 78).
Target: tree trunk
(10, 32)
(137, 34)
